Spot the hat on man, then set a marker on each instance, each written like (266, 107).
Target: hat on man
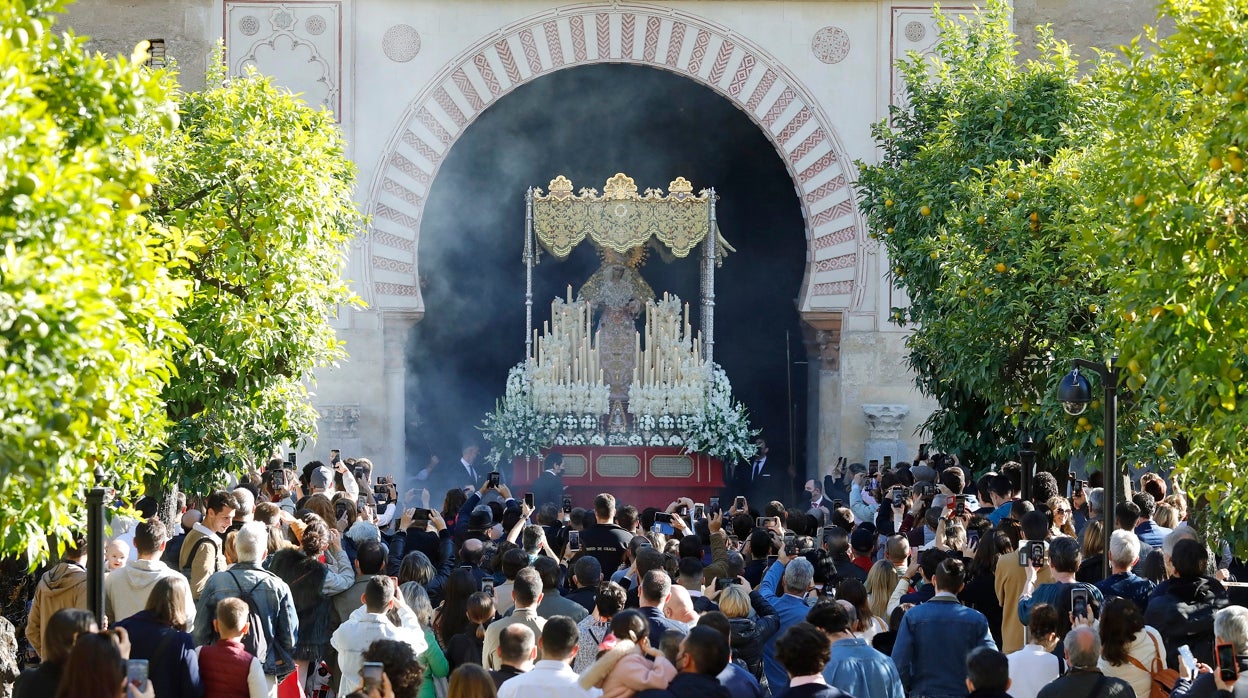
(321, 478)
(481, 518)
(863, 538)
(923, 473)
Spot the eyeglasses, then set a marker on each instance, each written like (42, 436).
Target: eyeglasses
(1061, 511)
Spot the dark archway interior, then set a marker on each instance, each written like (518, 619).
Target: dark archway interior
(588, 123)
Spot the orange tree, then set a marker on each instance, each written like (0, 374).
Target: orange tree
(975, 198)
(264, 181)
(1173, 177)
(88, 289)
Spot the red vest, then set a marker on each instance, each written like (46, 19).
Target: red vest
(223, 668)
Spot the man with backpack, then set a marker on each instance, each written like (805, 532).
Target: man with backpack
(272, 623)
(203, 549)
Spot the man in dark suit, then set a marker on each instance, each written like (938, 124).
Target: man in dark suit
(548, 488)
(762, 479)
(464, 472)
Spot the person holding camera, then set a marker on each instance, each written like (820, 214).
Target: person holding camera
(1063, 593)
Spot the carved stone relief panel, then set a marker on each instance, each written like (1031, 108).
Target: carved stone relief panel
(298, 44)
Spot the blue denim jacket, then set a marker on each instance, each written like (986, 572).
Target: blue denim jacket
(932, 643)
(860, 670)
(275, 604)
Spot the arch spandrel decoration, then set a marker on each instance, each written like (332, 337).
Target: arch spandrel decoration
(707, 53)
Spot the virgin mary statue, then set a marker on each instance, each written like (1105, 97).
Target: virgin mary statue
(616, 294)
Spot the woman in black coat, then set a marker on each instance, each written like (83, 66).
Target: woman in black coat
(312, 583)
(752, 621)
(980, 591)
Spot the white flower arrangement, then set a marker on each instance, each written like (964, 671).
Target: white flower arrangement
(539, 409)
(514, 428)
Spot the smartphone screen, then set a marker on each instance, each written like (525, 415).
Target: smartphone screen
(888, 462)
(772, 558)
(290, 457)
(761, 522)
(1189, 659)
(567, 504)
(574, 540)
(873, 467)
(528, 499)
(279, 479)
(1079, 602)
(898, 497)
(663, 517)
(923, 451)
(371, 673)
(714, 503)
(1226, 662)
(699, 511)
(740, 503)
(136, 672)
(722, 583)
(494, 475)
(1037, 554)
(487, 585)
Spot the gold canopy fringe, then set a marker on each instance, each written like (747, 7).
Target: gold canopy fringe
(621, 219)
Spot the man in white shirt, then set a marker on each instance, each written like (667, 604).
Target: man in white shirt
(552, 677)
(370, 623)
(1035, 665)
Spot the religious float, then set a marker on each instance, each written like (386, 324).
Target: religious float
(645, 414)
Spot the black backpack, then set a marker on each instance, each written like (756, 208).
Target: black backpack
(254, 640)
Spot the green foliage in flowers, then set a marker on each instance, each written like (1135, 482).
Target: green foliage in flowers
(974, 199)
(265, 182)
(1177, 247)
(89, 290)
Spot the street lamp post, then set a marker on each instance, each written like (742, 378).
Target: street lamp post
(97, 499)
(1074, 392)
(1027, 457)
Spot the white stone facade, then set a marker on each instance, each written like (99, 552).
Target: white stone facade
(406, 77)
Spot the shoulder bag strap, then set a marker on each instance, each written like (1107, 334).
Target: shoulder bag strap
(1158, 663)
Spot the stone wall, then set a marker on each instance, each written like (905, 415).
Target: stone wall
(115, 27)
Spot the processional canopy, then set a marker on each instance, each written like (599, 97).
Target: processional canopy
(621, 220)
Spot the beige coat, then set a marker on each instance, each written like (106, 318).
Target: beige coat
(63, 586)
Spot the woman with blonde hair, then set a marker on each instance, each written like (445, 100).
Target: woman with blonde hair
(855, 592)
(881, 581)
(1060, 516)
(748, 634)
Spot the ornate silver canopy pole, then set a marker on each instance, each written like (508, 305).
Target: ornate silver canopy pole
(708, 284)
(528, 273)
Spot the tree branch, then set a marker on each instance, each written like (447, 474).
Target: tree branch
(193, 198)
(198, 274)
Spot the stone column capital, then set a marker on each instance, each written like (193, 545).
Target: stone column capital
(884, 421)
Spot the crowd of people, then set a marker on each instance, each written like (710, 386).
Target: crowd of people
(889, 582)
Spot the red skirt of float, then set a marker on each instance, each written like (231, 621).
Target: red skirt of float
(644, 476)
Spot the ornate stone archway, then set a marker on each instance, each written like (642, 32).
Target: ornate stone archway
(705, 52)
